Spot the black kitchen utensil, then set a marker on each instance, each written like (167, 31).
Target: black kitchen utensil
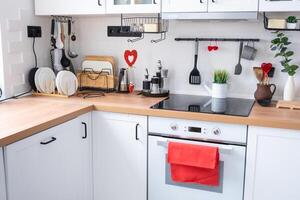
(195, 77)
(65, 62)
(31, 76)
(238, 68)
(53, 41)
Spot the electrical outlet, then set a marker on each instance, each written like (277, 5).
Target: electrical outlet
(119, 31)
(34, 31)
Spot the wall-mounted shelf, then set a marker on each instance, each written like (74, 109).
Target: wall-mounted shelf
(138, 26)
(266, 26)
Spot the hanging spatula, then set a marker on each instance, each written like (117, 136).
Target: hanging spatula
(195, 77)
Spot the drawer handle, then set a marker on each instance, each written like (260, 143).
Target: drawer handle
(137, 131)
(201, 1)
(213, 1)
(154, 2)
(85, 130)
(99, 3)
(48, 142)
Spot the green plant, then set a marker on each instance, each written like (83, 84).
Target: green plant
(291, 19)
(221, 76)
(280, 46)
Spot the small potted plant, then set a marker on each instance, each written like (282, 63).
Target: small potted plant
(291, 22)
(219, 86)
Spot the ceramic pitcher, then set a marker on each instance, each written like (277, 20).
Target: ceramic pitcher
(264, 94)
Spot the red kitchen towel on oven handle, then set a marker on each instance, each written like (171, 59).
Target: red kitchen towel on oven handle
(194, 163)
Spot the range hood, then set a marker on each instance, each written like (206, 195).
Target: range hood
(212, 16)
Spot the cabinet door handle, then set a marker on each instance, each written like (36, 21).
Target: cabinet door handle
(214, 1)
(85, 130)
(49, 141)
(201, 1)
(154, 2)
(137, 131)
(99, 3)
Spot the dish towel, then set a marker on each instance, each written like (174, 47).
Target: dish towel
(194, 163)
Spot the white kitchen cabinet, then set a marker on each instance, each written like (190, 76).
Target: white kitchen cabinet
(279, 5)
(119, 156)
(232, 5)
(209, 6)
(54, 164)
(184, 6)
(2, 177)
(273, 163)
(133, 6)
(69, 7)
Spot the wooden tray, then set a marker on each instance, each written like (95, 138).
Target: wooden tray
(293, 105)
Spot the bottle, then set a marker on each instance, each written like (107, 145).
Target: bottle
(155, 85)
(146, 82)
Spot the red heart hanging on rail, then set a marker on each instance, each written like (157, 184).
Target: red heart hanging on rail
(130, 57)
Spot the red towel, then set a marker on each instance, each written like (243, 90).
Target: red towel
(194, 163)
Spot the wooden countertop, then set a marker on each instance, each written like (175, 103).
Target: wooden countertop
(29, 115)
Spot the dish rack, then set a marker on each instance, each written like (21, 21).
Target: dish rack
(55, 94)
(146, 25)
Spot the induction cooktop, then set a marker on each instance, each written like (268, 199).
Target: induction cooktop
(205, 104)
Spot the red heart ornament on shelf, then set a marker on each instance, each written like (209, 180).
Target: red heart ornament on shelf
(216, 48)
(130, 57)
(210, 48)
(266, 67)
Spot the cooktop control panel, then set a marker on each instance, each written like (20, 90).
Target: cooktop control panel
(201, 130)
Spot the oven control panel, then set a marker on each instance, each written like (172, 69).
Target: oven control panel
(198, 130)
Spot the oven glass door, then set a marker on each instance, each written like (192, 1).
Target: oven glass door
(161, 186)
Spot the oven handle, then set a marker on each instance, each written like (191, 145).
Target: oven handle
(223, 148)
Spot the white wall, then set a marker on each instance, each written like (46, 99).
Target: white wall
(15, 15)
(178, 56)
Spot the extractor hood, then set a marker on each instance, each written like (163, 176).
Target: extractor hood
(212, 16)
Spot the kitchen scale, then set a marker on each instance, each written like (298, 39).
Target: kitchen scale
(206, 104)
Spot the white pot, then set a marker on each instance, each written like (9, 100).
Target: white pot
(289, 89)
(218, 90)
(291, 25)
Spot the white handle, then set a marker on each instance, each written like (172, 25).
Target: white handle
(208, 89)
(223, 148)
(59, 44)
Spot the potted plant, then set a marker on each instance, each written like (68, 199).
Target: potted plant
(291, 22)
(219, 86)
(280, 46)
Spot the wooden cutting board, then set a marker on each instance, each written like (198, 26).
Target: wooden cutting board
(293, 105)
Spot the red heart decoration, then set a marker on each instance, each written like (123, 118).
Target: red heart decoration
(210, 48)
(130, 57)
(216, 48)
(266, 67)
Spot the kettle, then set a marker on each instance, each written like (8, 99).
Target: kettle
(123, 82)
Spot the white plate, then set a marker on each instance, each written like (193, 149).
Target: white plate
(57, 81)
(45, 80)
(67, 82)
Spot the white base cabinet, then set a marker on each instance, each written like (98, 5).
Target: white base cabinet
(119, 156)
(2, 177)
(54, 164)
(273, 163)
(69, 7)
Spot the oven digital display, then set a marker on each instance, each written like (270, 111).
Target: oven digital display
(195, 129)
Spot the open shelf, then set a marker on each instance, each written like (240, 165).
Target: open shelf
(266, 22)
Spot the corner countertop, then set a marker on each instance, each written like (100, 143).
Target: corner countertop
(21, 118)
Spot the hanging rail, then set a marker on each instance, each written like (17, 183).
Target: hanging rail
(219, 39)
(62, 19)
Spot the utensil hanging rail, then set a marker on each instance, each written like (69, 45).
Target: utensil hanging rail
(62, 19)
(219, 39)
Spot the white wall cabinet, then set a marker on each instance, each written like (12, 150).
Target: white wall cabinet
(279, 5)
(232, 5)
(273, 163)
(54, 164)
(210, 6)
(69, 7)
(2, 177)
(184, 6)
(119, 156)
(133, 6)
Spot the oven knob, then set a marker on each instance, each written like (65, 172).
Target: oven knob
(174, 127)
(216, 131)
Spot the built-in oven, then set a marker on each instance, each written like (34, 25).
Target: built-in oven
(231, 141)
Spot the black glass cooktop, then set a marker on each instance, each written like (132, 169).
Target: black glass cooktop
(204, 104)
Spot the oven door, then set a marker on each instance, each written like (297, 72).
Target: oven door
(161, 186)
